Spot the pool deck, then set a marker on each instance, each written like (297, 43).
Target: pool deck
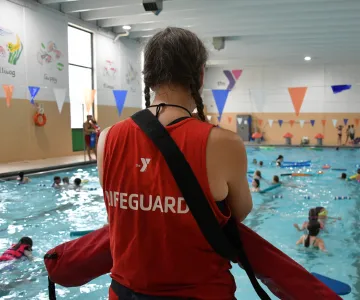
(8, 170)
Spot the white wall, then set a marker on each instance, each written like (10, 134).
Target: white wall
(36, 26)
(265, 89)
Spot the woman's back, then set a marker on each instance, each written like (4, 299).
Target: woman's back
(160, 249)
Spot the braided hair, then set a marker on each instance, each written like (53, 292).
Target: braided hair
(175, 56)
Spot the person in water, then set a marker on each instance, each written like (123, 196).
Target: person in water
(66, 181)
(311, 238)
(57, 182)
(320, 214)
(22, 249)
(279, 160)
(343, 176)
(77, 183)
(22, 179)
(136, 193)
(255, 185)
(254, 161)
(357, 175)
(257, 175)
(276, 180)
(261, 164)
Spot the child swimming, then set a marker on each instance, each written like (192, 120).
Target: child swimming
(66, 181)
(254, 161)
(343, 176)
(22, 249)
(77, 182)
(311, 238)
(261, 164)
(57, 182)
(257, 175)
(276, 180)
(279, 160)
(318, 213)
(255, 185)
(22, 179)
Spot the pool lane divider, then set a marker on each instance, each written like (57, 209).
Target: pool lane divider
(79, 233)
(270, 188)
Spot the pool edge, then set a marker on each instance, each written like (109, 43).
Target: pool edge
(12, 175)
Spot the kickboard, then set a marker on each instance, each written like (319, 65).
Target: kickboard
(337, 286)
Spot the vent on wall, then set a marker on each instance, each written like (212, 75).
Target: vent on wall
(218, 43)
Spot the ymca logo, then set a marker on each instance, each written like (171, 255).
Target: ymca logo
(232, 76)
(144, 164)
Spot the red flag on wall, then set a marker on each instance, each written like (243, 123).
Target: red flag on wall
(357, 122)
(229, 119)
(297, 95)
(292, 122)
(323, 122)
(259, 121)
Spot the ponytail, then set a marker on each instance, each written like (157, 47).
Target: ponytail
(307, 241)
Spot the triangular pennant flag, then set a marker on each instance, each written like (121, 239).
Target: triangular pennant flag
(89, 99)
(245, 122)
(120, 97)
(297, 95)
(302, 122)
(219, 118)
(60, 95)
(271, 122)
(312, 122)
(340, 88)
(346, 121)
(33, 92)
(334, 121)
(208, 117)
(292, 122)
(239, 120)
(8, 90)
(229, 119)
(259, 121)
(357, 122)
(237, 73)
(280, 122)
(323, 122)
(220, 97)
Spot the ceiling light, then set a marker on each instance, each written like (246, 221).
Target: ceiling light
(126, 27)
(307, 58)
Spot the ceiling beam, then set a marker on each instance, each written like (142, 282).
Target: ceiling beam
(46, 2)
(251, 13)
(88, 5)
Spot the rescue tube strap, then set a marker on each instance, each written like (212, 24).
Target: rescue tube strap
(191, 190)
(51, 289)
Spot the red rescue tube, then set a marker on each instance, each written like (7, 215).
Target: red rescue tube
(81, 260)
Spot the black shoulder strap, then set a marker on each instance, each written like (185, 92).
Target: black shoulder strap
(193, 194)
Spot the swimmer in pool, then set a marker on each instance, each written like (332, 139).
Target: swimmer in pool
(22, 179)
(254, 161)
(66, 181)
(261, 164)
(343, 176)
(22, 249)
(255, 185)
(279, 160)
(320, 214)
(57, 182)
(77, 183)
(311, 238)
(276, 180)
(257, 175)
(358, 175)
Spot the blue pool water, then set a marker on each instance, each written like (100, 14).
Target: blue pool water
(48, 215)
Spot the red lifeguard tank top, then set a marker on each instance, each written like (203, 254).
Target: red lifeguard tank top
(156, 245)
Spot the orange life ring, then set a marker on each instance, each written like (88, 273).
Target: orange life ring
(40, 119)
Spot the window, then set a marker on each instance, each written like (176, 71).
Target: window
(81, 73)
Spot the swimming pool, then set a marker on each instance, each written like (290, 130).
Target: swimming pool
(48, 215)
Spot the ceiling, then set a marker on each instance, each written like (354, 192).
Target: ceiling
(256, 32)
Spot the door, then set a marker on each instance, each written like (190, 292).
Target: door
(243, 127)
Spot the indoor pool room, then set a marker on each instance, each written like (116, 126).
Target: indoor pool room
(179, 149)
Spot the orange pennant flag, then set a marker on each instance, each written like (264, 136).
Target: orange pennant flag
(323, 122)
(89, 99)
(297, 95)
(260, 122)
(229, 119)
(292, 122)
(357, 122)
(8, 89)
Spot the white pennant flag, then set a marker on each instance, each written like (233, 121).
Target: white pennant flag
(239, 120)
(334, 122)
(245, 122)
(302, 122)
(208, 117)
(60, 95)
(271, 122)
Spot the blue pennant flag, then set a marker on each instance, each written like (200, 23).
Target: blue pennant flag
(33, 92)
(346, 121)
(312, 122)
(340, 88)
(220, 97)
(120, 97)
(280, 122)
